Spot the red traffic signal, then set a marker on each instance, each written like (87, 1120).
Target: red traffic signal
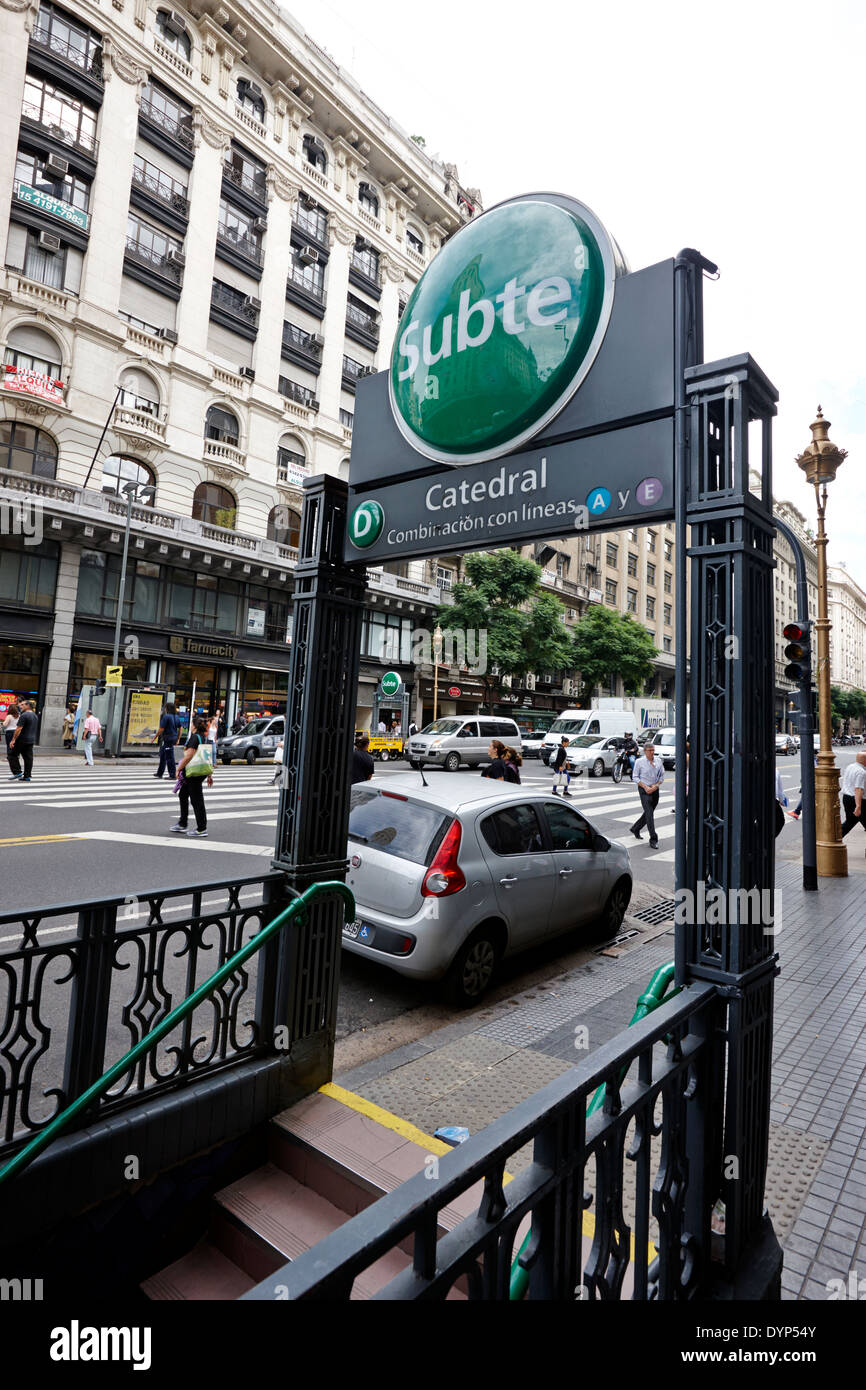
(794, 632)
(797, 636)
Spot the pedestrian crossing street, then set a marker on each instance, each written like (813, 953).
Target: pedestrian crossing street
(247, 794)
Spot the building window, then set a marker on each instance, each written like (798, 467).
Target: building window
(215, 506)
(632, 565)
(363, 317)
(160, 185)
(367, 199)
(314, 153)
(173, 35)
(293, 391)
(28, 575)
(310, 277)
(73, 43)
(236, 228)
(631, 600)
(347, 418)
(632, 535)
(138, 392)
(650, 573)
(33, 351)
(45, 266)
(25, 449)
(669, 550)
(289, 462)
(667, 643)
(414, 242)
(118, 470)
(171, 115)
(651, 542)
(250, 99)
(444, 576)
(149, 243)
(366, 259)
(610, 590)
(386, 637)
(667, 611)
(245, 171)
(72, 120)
(352, 369)
(71, 188)
(221, 426)
(284, 526)
(313, 220)
(612, 554)
(650, 607)
(668, 581)
(562, 563)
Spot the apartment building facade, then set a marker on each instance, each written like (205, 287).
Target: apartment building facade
(846, 601)
(211, 234)
(786, 605)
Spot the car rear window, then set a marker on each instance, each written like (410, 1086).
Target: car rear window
(406, 829)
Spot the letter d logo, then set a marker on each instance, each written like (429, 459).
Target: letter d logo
(365, 524)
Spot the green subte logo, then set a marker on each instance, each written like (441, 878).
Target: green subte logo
(365, 524)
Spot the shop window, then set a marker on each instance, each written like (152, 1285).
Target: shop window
(222, 426)
(284, 526)
(215, 506)
(21, 667)
(25, 449)
(118, 470)
(28, 573)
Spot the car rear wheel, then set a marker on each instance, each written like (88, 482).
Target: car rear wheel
(472, 969)
(250, 756)
(615, 908)
(384, 755)
(598, 767)
(452, 762)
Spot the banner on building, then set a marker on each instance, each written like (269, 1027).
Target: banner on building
(32, 383)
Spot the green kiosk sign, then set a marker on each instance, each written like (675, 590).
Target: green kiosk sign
(501, 329)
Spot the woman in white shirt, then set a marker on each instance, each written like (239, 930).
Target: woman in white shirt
(213, 734)
(10, 724)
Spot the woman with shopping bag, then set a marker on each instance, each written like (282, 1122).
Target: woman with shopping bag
(197, 764)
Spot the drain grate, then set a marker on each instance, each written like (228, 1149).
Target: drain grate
(658, 913)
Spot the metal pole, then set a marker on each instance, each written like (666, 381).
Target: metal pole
(99, 445)
(833, 856)
(130, 493)
(807, 749)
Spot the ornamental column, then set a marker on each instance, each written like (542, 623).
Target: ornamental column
(389, 307)
(17, 18)
(341, 238)
(205, 190)
(109, 203)
(282, 196)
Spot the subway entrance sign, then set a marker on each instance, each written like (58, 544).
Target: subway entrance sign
(530, 392)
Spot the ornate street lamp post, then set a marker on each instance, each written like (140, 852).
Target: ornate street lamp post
(820, 462)
(437, 657)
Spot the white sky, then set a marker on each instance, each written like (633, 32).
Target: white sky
(736, 128)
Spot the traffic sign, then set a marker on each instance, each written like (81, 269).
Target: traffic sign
(114, 675)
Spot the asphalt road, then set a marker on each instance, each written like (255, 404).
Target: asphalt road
(76, 833)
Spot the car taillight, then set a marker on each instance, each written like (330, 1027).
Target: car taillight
(445, 875)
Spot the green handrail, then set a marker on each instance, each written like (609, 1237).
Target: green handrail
(51, 1131)
(648, 1001)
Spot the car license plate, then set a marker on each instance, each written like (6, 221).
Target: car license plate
(352, 928)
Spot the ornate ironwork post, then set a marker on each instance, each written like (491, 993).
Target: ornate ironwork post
(314, 796)
(727, 936)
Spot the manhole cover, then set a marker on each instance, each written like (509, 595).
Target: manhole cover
(658, 913)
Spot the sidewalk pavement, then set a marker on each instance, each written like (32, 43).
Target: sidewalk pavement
(477, 1068)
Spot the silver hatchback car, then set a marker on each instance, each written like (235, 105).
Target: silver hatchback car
(450, 878)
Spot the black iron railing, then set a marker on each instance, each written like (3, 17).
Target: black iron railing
(302, 395)
(161, 188)
(88, 59)
(156, 260)
(658, 1120)
(81, 139)
(179, 128)
(253, 250)
(256, 184)
(83, 984)
(297, 277)
(235, 302)
(360, 319)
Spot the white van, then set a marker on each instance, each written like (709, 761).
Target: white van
(458, 739)
(605, 723)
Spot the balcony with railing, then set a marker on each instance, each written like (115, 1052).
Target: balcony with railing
(71, 55)
(160, 189)
(300, 399)
(155, 262)
(312, 224)
(364, 272)
(362, 326)
(305, 349)
(173, 133)
(234, 309)
(232, 243)
(142, 418)
(253, 184)
(67, 137)
(304, 291)
(353, 372)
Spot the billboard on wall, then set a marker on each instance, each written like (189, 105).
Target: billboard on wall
(142, 719)
(530, 392)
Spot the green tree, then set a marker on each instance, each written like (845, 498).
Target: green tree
(605, 642)
(839, 706)
(525, 629)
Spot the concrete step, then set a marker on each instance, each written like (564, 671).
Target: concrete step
(204, 1274)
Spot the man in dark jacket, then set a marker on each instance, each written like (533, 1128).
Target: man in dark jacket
(22, 743)
(363, 766)
(169, 729)
(559, 763)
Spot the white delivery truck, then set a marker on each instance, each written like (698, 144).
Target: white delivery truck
(605, 723)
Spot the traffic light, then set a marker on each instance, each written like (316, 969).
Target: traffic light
(797, 652)
(99, 688)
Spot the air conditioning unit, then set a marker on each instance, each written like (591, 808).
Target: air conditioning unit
(250, 302)
(366, 371)
(248, 372)
(169, 334)
(174, 23)
(260, 224)
(308, 255)
(56, 167)
(569, 687)
(530, 682)
(316, 340)
(176, 258)
(49, 242)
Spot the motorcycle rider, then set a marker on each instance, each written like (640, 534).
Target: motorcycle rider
(631, 750)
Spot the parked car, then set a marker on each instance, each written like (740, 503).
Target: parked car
(531, 745)
(785, 745)
(594, 756)
(457, 739)
(258, 740)
(665, 741)
(452, 877)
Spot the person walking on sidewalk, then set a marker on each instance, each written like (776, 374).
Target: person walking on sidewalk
(68, 725)
(213, 729)
(169, 732)
(853, 787)
(92, 732)
(191, 789)
(649, 775)
(560, 768)
(23, 742)
(10, 724)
